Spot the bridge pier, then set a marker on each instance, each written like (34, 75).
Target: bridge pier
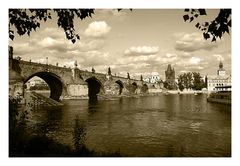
(76, 90)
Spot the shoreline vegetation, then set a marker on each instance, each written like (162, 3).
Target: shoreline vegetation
(24, 143)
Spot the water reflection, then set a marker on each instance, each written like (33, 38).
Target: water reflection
(79, 134)
(92, 106)
(172, 125)
(49, 120)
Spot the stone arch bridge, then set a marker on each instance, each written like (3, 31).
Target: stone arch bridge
(71, 82)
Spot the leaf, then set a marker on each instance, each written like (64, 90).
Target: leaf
(196, 15)
(73, 41)
(206, 36)
(214, 39)
(229, 23)
(11, 37)
(227, 29)
(202, 11)
(197, 25)
(191, 19)
(186, 17)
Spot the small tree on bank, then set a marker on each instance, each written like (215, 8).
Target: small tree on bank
(190, 80)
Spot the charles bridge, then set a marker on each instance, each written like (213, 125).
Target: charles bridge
(72, 82)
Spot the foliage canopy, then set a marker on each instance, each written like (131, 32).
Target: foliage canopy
(213, 29)
(27, 20)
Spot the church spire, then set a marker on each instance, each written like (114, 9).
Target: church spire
(169, 67)
(220, 64)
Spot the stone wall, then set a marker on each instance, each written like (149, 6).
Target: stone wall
(77, 90)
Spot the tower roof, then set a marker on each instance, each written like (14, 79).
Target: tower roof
(169, 67)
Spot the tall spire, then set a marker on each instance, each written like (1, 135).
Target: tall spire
(169, 67)
(220, 64)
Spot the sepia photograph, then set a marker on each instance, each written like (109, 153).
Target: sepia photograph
(120, 82)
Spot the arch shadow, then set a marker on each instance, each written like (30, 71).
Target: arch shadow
(134, 87)
(120, 83)
(144, 88)
(94, 88)
(54, 82)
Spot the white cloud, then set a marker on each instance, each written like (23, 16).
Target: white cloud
(219, 57)
(110, 12)
(97, 29)
(142, 50)
(193, 42)
(169, 55)
(194, 60)
(48, 41)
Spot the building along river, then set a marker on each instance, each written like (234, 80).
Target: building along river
(164, 125)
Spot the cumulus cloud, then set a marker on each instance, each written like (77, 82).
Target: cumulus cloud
(52, 43)
(141, 50)
(219, 57)
(170, 55)
(194, 60)
(110, 13)
(21, 49)
(193, 42)
(97, 29)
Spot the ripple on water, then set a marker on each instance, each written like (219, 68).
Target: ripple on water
(173, 125)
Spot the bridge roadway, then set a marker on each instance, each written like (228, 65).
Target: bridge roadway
(71, 82)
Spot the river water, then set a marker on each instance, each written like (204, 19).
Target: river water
(164, 125)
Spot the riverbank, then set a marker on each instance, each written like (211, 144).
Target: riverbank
(185, 92)
(220, 97)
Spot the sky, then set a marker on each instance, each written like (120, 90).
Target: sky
(140, 42)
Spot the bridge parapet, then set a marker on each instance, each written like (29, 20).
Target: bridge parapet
(76, 82)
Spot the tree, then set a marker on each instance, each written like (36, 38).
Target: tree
(215, 28)
(169, 85)
(185, 81)
(190, 80)
(198, 82)
(27, 20)
(180, 82)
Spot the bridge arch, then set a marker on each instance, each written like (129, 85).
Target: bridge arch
(120, 83)
(144, 88)
(94, 87)
(134, 87)
(54, 82)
